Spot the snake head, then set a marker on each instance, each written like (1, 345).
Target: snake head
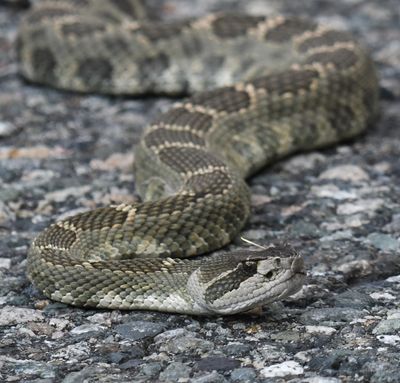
(243, 280)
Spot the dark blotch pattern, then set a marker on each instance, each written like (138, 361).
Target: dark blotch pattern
(151, 67)
(328, 38)
(306, 135)
(81, 29)
(288, 29)
(38, 34)
(115, 46)
(180, 116)
(288, 81)
(223, 100)
(341, 58)
(341, 119)
(45, 64)
(210, 183)
(162, 136)
(125, 6)
(155, 32)
(183, 160)
(193, 46)
(230, 282)
(96, 70)
(232, 25)
(96, 219)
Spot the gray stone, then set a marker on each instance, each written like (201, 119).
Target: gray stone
(335, 360)
(10, 315)
(391, 375)
(151, 369)
(394, 225)
(5, 263)
(287, 336)
(288, 368)
(304, 229)
(320, 330)
(84, 328)
(321, 379)
(6, 215)
(7, 129)
(8, 193)
(392, 340)
(331, 315)
(383, 372)
(139, 329)
(43, 370)
(305, 161)
(387, 326)
(175, 372)
(212, 377)
(180, 341)
(354, 299)
(131, 363)
(383, 242)
(218, 363)
(237, 349)
(332, 191)
(339, 235)
(245, 375)
(360, 206)
(116, 357)
(82, 375)
(345, 173)
(62, 194)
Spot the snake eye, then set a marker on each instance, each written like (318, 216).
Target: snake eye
(277, 261)
(269, 274)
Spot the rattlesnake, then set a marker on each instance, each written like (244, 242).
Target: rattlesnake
(263, 87)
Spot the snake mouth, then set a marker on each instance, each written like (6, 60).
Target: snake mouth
(297, 279)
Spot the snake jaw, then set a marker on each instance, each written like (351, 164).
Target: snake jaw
(261, 277)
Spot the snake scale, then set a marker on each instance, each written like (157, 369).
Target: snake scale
(262, 88)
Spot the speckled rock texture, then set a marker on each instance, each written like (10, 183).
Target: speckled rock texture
(63, 152)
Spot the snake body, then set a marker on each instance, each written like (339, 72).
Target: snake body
(263, 87)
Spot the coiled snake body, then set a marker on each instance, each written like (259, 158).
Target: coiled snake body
(263, 88)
